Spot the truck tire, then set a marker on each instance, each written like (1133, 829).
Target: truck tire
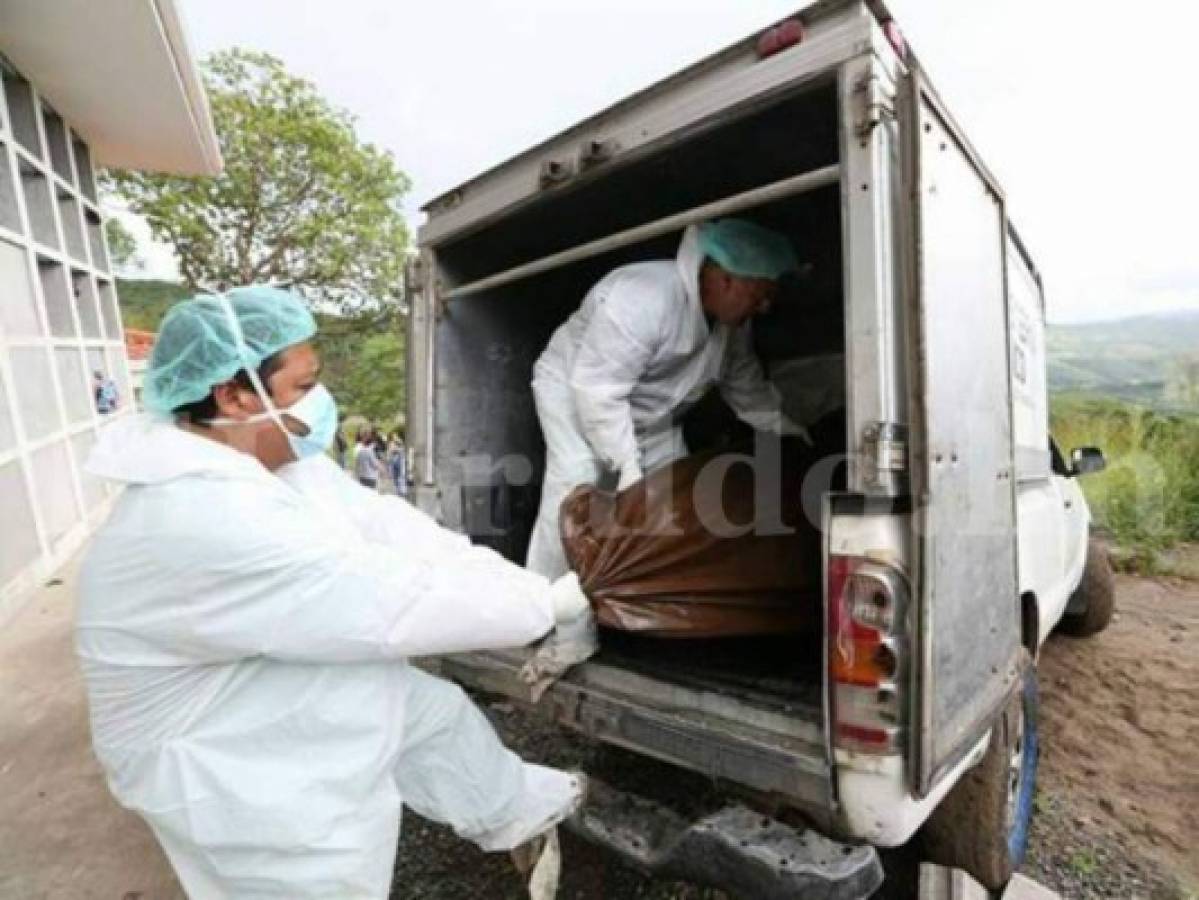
(1097, 591)
(981, 826)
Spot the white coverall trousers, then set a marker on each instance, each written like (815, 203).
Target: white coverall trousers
(451, 769)
(570, 461)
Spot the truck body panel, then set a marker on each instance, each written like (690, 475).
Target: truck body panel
(948, 486)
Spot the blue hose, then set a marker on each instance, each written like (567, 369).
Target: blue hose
(1018, 834)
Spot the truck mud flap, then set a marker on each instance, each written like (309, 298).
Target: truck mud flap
(736, 850)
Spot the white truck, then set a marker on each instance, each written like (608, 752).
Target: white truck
(958, 538)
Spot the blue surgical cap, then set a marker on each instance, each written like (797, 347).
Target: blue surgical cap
(196, 347)
(743, 248)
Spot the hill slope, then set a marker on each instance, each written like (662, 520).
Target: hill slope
(1151, 359)
(145, 301)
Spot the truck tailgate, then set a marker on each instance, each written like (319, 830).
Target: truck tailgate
(763, 746)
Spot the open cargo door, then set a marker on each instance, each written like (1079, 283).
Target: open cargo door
(967, 603)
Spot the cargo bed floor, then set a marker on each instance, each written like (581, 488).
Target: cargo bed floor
(782, 674)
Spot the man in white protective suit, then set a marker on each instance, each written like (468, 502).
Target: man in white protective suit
(244, 621)
(648, 342)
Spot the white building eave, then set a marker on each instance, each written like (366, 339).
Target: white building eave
(121, 72)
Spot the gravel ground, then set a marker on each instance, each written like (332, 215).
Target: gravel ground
(434, 863)
(1082, 860)
(1117, 811)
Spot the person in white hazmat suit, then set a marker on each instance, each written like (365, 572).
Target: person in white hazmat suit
(244, 620)
(648, 342)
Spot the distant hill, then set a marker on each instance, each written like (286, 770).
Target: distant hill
(1151, 359)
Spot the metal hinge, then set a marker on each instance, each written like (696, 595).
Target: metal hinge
(871, 106)
(885, 449)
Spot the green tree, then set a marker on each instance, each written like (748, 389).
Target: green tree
(122, 246)
(364, 371)
(301, 199)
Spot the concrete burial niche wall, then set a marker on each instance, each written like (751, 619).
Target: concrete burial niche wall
(59, 323)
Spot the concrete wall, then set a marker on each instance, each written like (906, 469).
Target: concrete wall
(59, 322)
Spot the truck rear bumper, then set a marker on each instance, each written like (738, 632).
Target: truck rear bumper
(773, 754)
(735, 849)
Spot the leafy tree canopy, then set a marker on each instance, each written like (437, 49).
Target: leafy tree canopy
(122, 246)
(301, 200)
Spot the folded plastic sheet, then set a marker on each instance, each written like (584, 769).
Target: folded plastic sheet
(705, 547)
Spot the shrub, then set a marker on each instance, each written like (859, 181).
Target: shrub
(1148, 497)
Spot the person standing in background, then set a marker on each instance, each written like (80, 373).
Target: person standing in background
(397, 464)
(366, 460)
(106, 396)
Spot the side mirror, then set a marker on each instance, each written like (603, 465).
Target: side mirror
(1086, 461)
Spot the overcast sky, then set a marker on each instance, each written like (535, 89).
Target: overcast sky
(1086, 111)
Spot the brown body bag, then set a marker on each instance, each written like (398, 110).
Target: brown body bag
(694, 551)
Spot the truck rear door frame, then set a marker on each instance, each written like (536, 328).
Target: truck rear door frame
(595, 699)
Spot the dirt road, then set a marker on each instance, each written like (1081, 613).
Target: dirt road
(1118, 798)
(1118, 801)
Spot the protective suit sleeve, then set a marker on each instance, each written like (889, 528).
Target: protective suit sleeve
(744, 387)
(287, 589)
(382, 518)
(613, 355)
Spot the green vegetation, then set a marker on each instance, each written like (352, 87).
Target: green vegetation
(145, 302)
(1148, 497)
(363, 366)
(122, 246)
(301, 200)
(1084, 862)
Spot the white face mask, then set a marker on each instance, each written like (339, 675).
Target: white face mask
(316, 410)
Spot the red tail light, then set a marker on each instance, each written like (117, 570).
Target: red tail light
(779, 38)
(896, 39)
(864, 654)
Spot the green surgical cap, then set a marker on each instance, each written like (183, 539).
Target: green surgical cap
(196, 348)
(743, 248)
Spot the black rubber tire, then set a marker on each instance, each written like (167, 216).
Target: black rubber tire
(971, 828)
(1097, 590)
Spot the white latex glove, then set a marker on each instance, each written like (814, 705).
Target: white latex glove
(568, 598)
(574, 638)
(630, 474)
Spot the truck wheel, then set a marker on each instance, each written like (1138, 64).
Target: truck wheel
(981, 826)
(1097, 591)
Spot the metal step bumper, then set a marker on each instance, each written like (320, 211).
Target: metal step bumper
(735, 849)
